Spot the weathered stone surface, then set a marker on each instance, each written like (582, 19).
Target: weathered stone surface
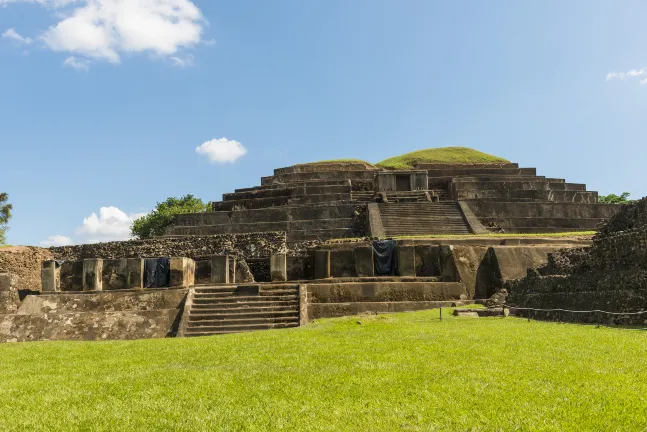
(342, 263)
(384, 291)
(182, 272)
(364, 266)
(94, 316)
(322, 264)
(92, 272)
(611, 275)
(50, 277)
(248, 245)
(87, 326)
(25, 263)
(8, 282)
(406, 260)
(331, 310)
(278, 268)
(220, 269)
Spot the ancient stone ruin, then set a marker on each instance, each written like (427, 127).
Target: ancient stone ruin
(339, 200)
(324, 240)
(610, 275)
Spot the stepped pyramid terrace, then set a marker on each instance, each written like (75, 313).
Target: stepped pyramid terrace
(438, 191)
(434, 228)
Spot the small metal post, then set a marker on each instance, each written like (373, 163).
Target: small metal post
(441, 313)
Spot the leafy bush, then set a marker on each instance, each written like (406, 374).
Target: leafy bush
(623, 198)
(155, 223)
(5, 215)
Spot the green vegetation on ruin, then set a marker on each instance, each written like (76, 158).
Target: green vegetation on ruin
(441, 155)
(333, 161)
(379, 373)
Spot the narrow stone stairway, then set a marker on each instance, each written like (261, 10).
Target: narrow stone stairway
(402, 219)
(363, 196)
(233, 309)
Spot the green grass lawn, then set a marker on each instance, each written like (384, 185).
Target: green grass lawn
(407, 372)
(445, 155)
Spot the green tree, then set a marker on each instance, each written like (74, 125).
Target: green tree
(155, 223)
(623, 198)
(5, 215)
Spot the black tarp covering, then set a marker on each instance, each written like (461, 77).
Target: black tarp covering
(385, 260)
(157, 272)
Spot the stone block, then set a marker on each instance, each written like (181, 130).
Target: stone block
(114, 275)
(220, 269)
(278, 268)
(364, 261)
(342, 263)
(71, 276)
(299, 268)
(182, 272)
(134, 273)
(322, 264)
(92, 271)
(50, 277)
(406, 260)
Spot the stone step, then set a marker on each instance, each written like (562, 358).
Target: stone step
(241, 320)
(233, 293)
(206, 331)
(241, 299)
(229, 305)
(243, 310)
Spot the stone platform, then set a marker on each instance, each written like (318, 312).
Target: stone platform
(332, 200)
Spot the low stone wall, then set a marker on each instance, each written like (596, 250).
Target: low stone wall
(24, 263)
(326, 300)
(252, 245)
(94, 316)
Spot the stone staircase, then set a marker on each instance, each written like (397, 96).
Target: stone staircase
(363, 196)
(221, 309)
(407, 196)
(444, 217)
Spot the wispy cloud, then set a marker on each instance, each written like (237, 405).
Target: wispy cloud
(633, 73)
(12, 34)
(77, 63)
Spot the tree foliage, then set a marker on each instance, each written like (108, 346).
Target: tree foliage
(5, 215)
(155, 223)
(623, 198)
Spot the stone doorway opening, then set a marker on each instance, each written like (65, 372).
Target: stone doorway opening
(402, 183)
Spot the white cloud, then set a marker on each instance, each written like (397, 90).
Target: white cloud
(633, 73)
(56, 240)
(222, 150)
(14, 35)
(111, 224)
(182, 62)
(107, 29)
(77, 63)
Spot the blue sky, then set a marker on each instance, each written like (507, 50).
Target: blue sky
(110, 115)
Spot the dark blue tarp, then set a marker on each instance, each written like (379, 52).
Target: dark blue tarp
(385, 259)
(157, 272)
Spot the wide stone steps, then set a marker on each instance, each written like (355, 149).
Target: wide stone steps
(404, 219)
(214, 330)
(233, 309)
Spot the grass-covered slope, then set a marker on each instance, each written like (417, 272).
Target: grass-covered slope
(382, 373)
(444, 155)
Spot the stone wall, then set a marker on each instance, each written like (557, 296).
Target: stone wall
(254, 245)
(610, 275)
(95, 316)
(24, 263)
